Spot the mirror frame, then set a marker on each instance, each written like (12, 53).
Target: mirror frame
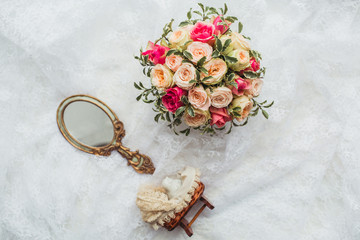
(140, 162)
(118, 127)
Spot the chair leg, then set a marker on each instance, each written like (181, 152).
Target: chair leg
(185, 225)
(206, 202)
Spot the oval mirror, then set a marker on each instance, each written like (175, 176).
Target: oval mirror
(88, 124)
(91, 126)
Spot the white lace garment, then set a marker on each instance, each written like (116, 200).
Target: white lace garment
(294, 176)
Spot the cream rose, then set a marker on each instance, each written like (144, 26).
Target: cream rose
(200, 118)
(199, 98)
(173, 62)
(237, 42)
(221, 97)
(243, 60)
(161, 77)
(185, 73)
(199, 50)
(245, 105)
(179, 37)
(216, 68)
(255, 88)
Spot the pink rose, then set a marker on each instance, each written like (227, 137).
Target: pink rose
(242, 85)
(220, 29)
(219, 116)
(156, 53)
(203, 32)
(254, 66)
(172, 99)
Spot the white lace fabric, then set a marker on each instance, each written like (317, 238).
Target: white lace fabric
(157, 207)
(294, 176)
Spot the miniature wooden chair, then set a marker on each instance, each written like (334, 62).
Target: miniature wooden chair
(180, 216)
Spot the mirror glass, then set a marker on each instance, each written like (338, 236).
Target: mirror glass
(88, 124)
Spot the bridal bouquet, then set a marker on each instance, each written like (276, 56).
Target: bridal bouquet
(203, 73)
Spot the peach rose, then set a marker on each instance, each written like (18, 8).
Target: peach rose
(199, 50)
(243, 60)
(255, 88)
(199, 98)
(221, 97)
(216, 68)
(161, 77)
(173, 62)
(245, 105)
(185, 73)
(200, 118)
(179, 37)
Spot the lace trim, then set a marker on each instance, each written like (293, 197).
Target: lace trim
(181, 205)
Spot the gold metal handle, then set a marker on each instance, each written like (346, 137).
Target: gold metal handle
(140, 162)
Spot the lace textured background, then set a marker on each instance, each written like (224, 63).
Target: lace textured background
(294, 176)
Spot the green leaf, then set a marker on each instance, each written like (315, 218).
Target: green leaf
(249, 74)
(236, 114)
(231, 19)
(202, 69)
(266, 115)
(187, 132)
(192, 81)
(189, 14)
(146, 58)
(225, 8)
(184, 99)
(226, 44)
(218, 45)
(197, 74)
(139, 97)
(177, 121)
(179, 111)
(171, 51)
(198, 13)
(186, 61)
(231, 77)
(148, 101)
(191, 112)
(137, 86)
(267, 106)
(237, 109)
(213, 10)
(184, 23)
(201, 61)
(187, 54)
(202, 6)
(167, 115)
(157, 116)
(230, 59)
(206, 78)
(240, 27)
(215, 54)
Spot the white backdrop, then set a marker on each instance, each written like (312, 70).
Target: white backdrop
(294, 176)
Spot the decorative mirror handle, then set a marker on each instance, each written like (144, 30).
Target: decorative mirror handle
(140, 162)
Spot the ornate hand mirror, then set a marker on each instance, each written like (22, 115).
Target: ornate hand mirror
(91, 126)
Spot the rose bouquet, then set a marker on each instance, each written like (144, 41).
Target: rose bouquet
(203, 73)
